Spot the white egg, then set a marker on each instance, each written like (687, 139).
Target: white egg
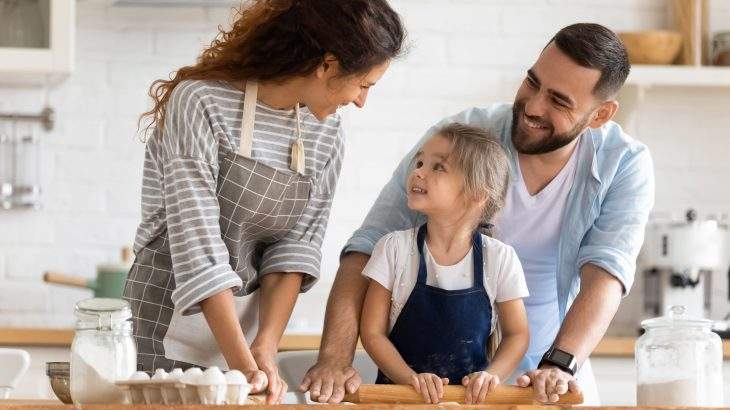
(160, 374)
(139, 376)
(191, 375)
(235, 377)
(175, 374)
(212, 376)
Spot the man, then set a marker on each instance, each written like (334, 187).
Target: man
(577, 206)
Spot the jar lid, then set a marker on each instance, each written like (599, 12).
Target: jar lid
(676, 318)
(59, 369)
(93, 308)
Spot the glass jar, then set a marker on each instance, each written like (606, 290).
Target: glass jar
(102, 352)
(721, 49)
(679, 362)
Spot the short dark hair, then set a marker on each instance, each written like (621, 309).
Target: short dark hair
(595, 46)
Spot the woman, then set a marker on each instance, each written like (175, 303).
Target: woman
(239, 177)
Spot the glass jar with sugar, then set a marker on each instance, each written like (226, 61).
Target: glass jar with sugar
(103, 351)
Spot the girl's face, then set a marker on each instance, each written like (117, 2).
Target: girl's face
(327, 91)
(436, 186)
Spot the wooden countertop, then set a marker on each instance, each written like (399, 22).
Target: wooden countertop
(19, 337)
(50, 405)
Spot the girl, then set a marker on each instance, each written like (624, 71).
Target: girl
(239, 176)
(438, 291)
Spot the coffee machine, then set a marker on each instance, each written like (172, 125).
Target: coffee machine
(682, 262)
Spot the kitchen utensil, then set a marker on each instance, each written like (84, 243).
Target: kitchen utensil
(721, 49)
(679, 362)
(691, 20)
(109, 282)
(13, 364)
(652, 47)
(58, 374)
(103, 351)
(398, 394)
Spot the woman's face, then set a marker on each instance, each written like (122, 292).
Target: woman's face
(327, 91)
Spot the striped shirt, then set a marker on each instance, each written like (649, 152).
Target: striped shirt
(203, 126)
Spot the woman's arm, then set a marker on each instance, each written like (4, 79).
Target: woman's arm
(515, 338)
(374, 335)
(220, 313)
(279, 292)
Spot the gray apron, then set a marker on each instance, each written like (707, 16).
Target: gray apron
(258, 206)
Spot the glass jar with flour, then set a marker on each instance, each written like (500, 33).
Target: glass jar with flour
(102, 352)
(679, 362)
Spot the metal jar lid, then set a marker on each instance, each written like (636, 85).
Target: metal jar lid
(58, 369)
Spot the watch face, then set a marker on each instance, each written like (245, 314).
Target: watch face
(561, 357)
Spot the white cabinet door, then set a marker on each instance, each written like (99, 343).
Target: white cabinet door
(46, 64)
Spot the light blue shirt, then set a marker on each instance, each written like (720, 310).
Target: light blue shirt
(607, 208)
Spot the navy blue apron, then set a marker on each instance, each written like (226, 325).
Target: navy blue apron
(444, 332)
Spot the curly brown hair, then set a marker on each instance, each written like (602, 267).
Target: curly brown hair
(273, 40)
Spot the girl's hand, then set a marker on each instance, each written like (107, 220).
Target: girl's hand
(430, 386)
(478, 385)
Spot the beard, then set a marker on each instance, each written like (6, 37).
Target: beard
(550, 143)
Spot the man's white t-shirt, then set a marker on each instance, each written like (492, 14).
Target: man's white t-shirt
(394, 265)
(531, 224)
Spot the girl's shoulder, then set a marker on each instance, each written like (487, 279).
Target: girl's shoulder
(398, 240)
(497, 249)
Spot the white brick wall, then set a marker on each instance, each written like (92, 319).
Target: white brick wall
(465, 52)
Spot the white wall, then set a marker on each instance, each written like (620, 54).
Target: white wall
(465, 52)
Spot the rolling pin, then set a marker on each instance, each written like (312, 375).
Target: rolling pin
(400, 394)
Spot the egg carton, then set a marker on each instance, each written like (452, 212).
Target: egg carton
(193, 386)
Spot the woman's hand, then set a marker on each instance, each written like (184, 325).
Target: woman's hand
(430, 386)
(257, 379)
(478, 385)
(266, 361)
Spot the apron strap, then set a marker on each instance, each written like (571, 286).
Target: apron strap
(247, 121)
(420, 239)
(477, 255)
(245, 146)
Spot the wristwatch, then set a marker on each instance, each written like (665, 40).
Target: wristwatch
(560, 359)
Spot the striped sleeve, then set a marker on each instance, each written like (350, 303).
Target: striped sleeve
(200, 258)
(301, 249)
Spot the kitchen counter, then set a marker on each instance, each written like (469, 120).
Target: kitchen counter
(49, 405)
(608, 347)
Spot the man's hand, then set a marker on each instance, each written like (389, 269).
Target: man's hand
(478, 385)
(549, 383)
(277, 387)
(328, 381)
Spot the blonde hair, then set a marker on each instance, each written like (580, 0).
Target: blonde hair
(484, 163)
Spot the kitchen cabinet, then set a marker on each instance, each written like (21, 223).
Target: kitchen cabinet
(36, 41)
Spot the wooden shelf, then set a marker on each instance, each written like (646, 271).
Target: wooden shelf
(679, 76)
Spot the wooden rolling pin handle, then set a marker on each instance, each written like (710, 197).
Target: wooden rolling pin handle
(504, 394)
(63, 279)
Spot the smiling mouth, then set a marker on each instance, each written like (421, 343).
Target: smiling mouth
(418, 190)
(532, 124)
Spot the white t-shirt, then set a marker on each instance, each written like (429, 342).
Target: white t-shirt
(531, 224)
(394, 264)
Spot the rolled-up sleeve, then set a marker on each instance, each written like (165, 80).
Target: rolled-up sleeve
(301, 249)
(614, 240)
(200, 259)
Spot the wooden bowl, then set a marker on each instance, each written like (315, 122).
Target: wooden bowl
(652, 47)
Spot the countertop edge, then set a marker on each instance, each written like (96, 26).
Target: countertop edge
(39, 337)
